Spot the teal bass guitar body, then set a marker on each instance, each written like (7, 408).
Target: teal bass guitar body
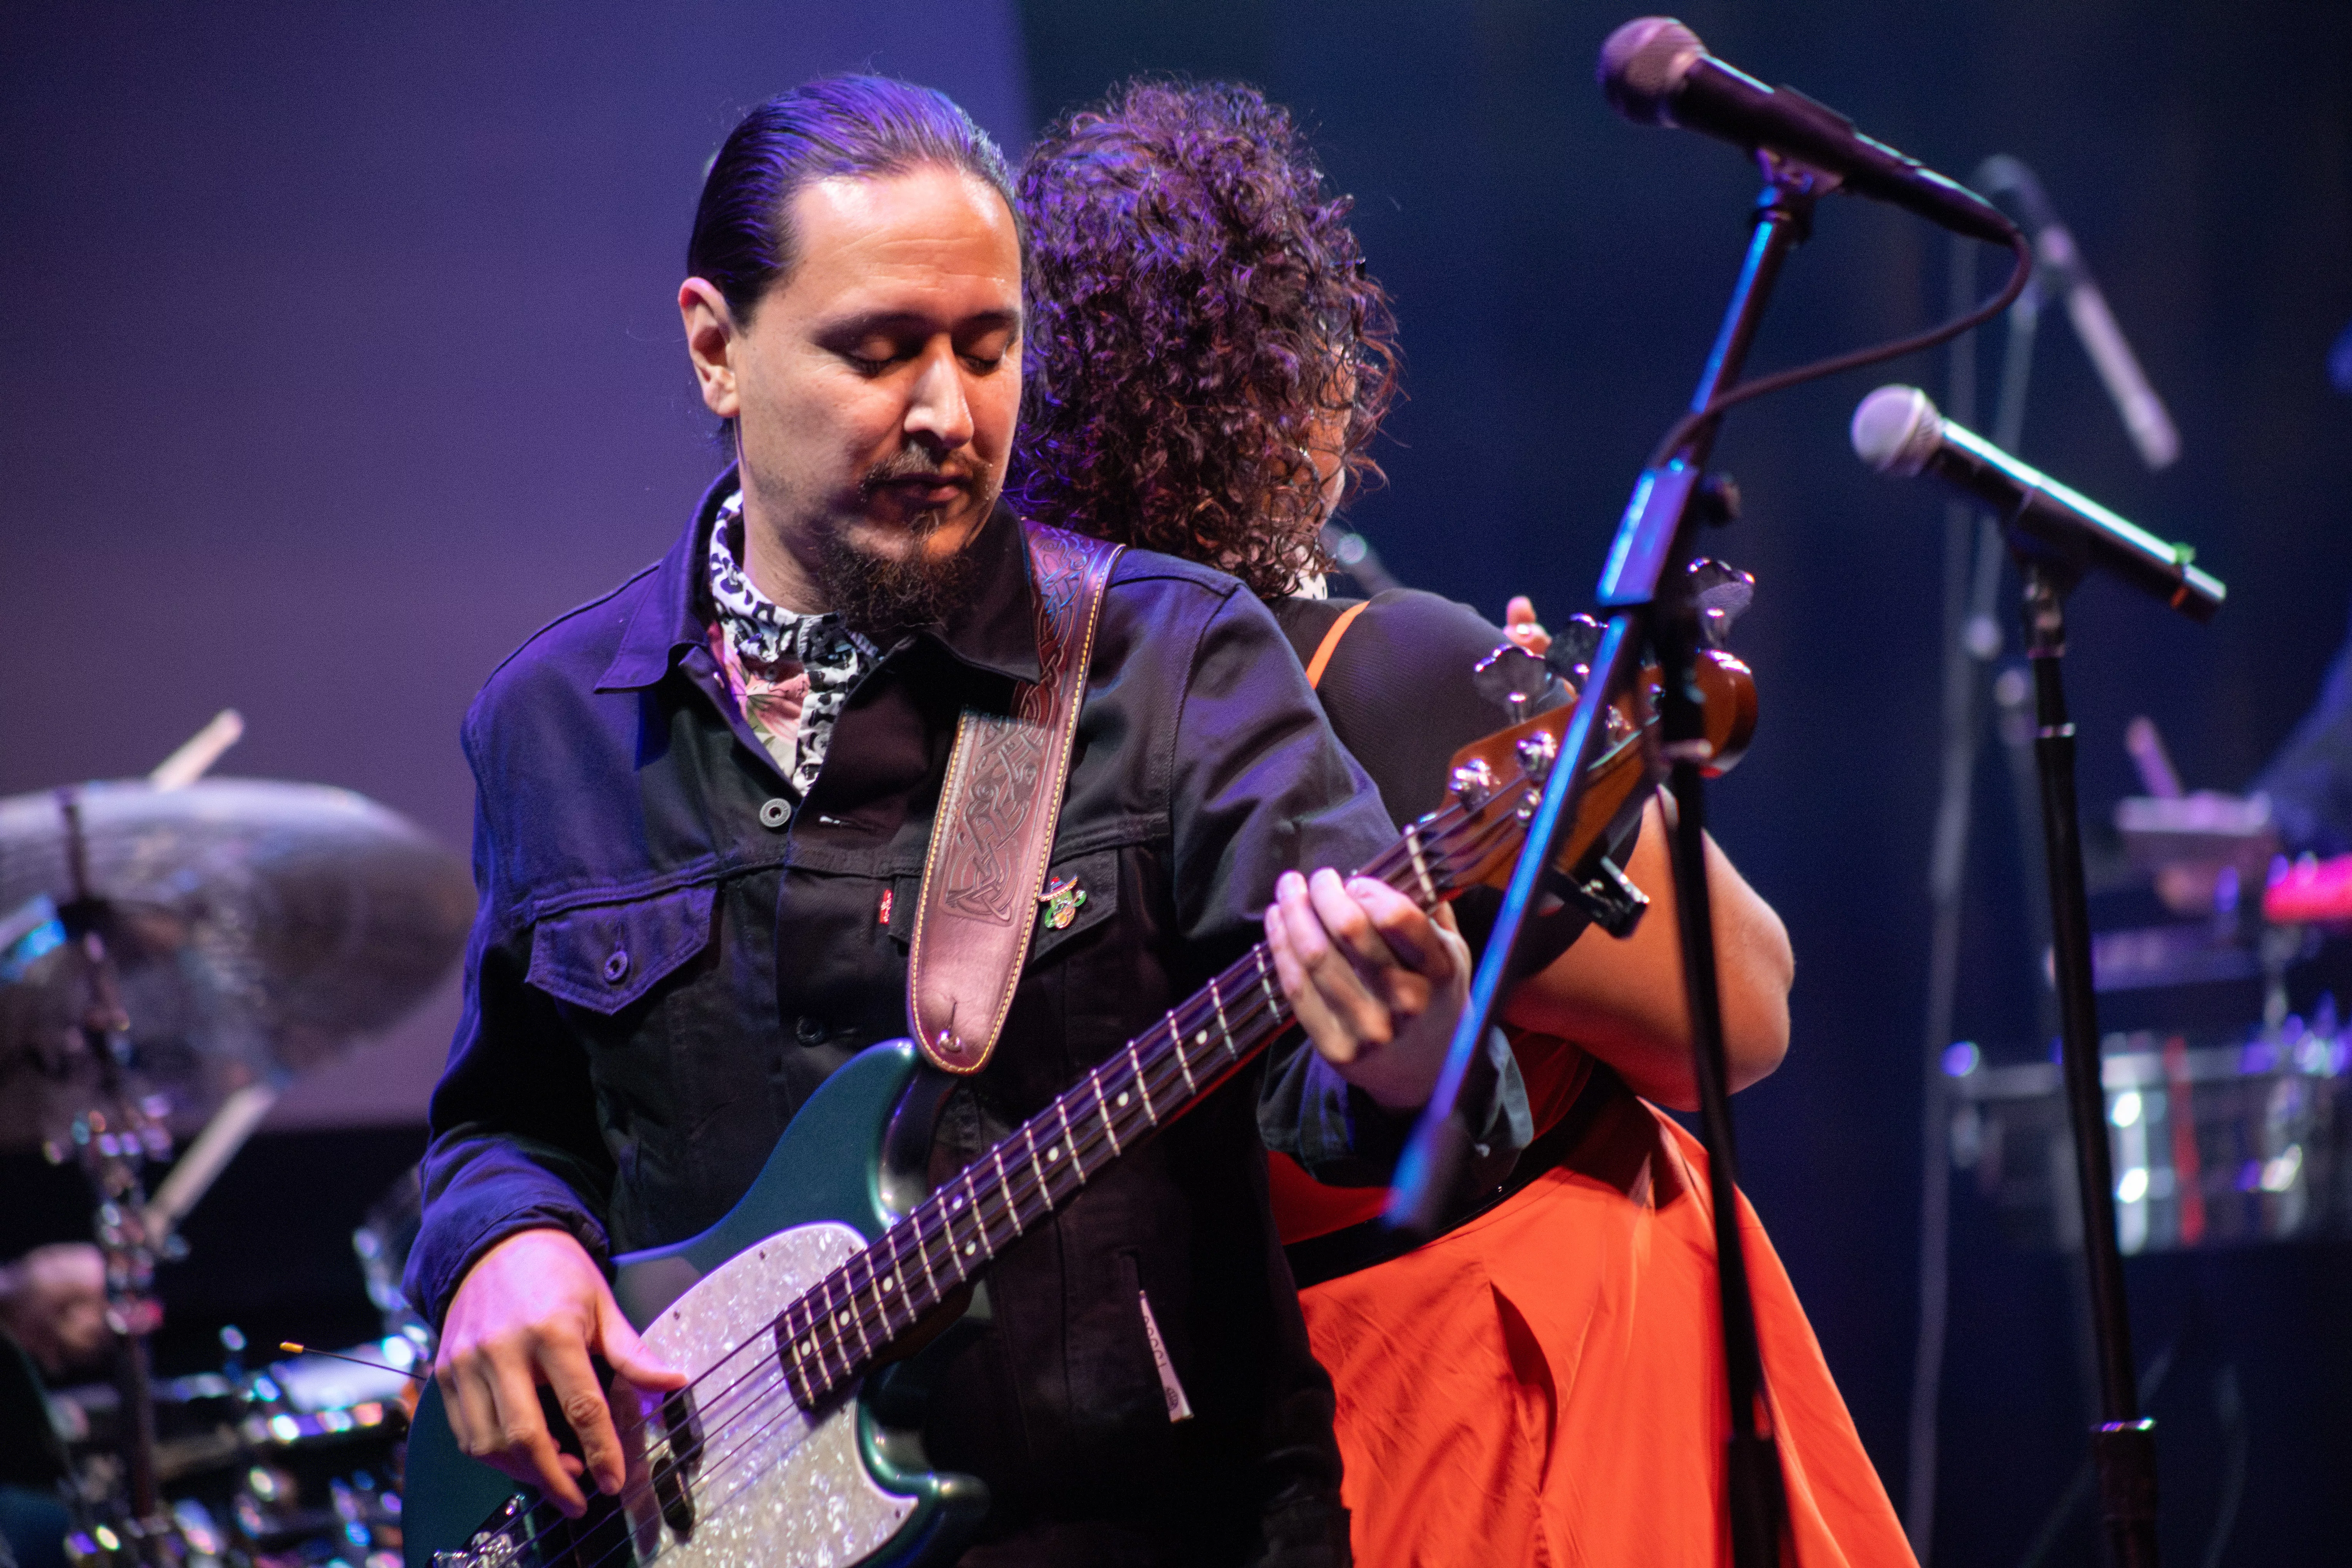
(741, 1472)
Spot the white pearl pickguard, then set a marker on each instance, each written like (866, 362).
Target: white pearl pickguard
(772, 1489)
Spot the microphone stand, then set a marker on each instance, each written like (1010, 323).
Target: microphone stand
(1643, 586)
(1973, 546)
(2123, 1445)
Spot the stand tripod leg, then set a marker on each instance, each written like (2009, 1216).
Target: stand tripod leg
(2124, 1445)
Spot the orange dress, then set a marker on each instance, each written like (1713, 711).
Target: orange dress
(1543, 1384)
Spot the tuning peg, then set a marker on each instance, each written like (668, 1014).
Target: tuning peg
(1572, 647)
(1512, 677)
(1722, 594)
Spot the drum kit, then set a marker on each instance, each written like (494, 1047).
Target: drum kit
(175, 950)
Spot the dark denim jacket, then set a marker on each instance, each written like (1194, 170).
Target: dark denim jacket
(666, 962)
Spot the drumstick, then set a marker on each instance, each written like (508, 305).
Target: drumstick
(199, 752)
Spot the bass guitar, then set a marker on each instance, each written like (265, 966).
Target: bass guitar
(796, 1443)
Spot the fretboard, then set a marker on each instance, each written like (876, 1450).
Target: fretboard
(836, 1331)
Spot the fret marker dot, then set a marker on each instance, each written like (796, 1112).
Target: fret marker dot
(808, 1347)
(956, 1202)
(967, 1249)
(1202, 1038)
(1122, 1097)
(886, 1284)
(842, 1317)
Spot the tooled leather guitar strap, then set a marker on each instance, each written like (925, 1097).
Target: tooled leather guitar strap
(994, 829)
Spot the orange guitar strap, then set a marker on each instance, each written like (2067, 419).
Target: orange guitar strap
(1330, 643)
(993, 833)
(1304, 1208)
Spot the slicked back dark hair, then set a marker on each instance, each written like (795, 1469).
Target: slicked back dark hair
(863, 126)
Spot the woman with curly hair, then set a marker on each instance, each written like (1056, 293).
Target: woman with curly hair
(1207, 360)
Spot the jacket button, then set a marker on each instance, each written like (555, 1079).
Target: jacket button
(616, 967)
(775, 813)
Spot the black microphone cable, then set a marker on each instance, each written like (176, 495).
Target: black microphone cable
(1683, 430)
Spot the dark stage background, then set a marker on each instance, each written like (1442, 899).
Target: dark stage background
(339, 353)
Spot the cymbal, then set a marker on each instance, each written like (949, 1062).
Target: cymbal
(258, 929)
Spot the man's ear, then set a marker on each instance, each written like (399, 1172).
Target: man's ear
(710, 340)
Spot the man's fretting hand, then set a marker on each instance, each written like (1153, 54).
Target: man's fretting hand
(1376, 984)
(531, 1311)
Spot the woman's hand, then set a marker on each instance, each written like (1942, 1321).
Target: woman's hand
(1520, 624)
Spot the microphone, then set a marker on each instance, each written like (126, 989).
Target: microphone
(1656, 72)
(1897, 431)
(2144, 412)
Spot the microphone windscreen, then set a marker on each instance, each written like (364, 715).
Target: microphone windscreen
(1895, 431)
(1642, 64)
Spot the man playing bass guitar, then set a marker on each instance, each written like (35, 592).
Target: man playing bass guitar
(704, 805)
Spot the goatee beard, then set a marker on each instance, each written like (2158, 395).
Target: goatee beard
(876, 593)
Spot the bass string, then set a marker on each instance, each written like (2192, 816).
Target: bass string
(638, 1492)
(1162, 1058)
(643, 1492)
(1019, 1203)
(1095, 1121)
(723, 1415)
(789, 1405)
(1440, 831)
(1020, 1199)
(934, 1222)
(1022, 1192)
(825, 1338)
(723, 1418)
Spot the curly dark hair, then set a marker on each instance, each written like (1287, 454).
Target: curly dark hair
(1199, 315)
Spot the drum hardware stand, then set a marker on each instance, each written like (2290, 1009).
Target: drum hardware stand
(2123, 1445)
(111, 856)
(113, 1144)
(1645, 587)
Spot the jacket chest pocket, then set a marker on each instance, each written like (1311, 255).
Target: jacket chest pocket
(603, 957)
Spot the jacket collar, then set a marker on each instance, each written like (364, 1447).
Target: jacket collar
(994, 629)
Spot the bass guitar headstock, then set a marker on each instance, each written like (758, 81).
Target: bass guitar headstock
(1502, 775)
(1497, 781)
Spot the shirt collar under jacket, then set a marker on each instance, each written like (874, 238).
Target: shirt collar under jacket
(761, 629)
(993, 630)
